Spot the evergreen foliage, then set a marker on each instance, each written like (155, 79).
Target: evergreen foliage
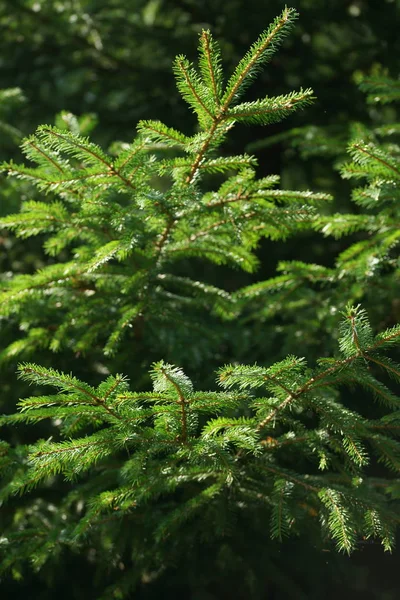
(367, 270)
(125, 228)
(144, 476)
(154, 462)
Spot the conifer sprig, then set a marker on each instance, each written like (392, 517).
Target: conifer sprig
(210, 65)
(127, 231)
(163, 429)
(259, 54)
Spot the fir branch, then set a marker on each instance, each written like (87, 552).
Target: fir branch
(260, 52)
(210, 65)
(72, 144)
(358, 149)
(190, 87)
(68, 383)
(270, 110)
(159, 132)
(181, 384)
(46, 155)
(339, 520)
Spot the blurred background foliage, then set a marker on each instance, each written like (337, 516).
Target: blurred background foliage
(109, 63)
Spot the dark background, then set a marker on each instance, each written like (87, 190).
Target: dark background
(112, 60)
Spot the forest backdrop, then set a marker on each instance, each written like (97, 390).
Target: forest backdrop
(109, 63)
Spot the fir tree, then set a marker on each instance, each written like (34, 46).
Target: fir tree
(127, 231)
(146, 476)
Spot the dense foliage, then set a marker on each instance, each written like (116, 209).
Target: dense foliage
(142, 477)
